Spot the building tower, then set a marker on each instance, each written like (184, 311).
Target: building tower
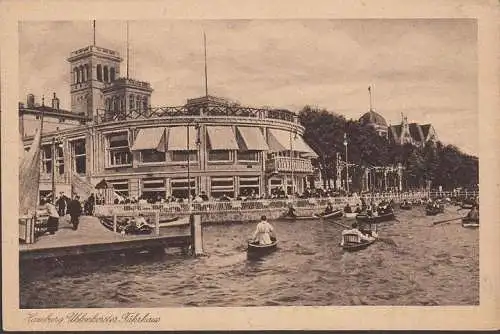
(92, 69)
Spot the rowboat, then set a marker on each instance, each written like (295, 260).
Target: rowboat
(256, 251)
(351, 242)
(335, 214)
(470, 222)
(363, 217)
(350, 214)
(296, 217)
(406, 206)
(355, 246)
(432, 211)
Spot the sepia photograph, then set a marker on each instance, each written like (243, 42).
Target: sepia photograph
(252, 163)
(323, 162)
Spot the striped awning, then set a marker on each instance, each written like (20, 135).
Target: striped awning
(252, 139)
(150, 139)
(178, 138)
(280, 140)
(301, 146)
(222, 138)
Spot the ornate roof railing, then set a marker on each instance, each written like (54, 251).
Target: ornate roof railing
(196, 110)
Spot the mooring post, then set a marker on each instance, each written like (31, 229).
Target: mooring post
(114, 222)
(196, 234)
(157, 222)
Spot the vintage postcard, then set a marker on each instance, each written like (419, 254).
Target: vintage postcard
(204, 166)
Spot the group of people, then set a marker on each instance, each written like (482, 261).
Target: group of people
(137, 225)
(61, 207)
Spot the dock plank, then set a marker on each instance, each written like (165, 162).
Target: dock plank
(92, 237)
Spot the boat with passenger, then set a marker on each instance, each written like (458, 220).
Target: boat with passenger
(256, 250)
(357, 239)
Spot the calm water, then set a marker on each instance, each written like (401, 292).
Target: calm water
(431, 265)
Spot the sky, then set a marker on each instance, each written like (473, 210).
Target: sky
(423, 68)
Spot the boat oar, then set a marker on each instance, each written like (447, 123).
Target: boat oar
(340, 224)
(446, 220)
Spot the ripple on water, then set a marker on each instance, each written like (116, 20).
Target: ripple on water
(429, 266)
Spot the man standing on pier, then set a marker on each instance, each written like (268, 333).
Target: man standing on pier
(75, 210)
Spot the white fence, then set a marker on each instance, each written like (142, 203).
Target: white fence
(261, 204)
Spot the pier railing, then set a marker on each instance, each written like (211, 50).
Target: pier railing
(254, 205)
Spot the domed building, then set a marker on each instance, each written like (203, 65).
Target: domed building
(375, 120)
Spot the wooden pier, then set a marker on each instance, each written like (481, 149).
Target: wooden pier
(92, 237)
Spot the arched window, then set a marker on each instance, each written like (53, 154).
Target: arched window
(87, 73)
(112, 74)
(131, 102)
(82, 74)
(138, 103)
(115, 103)
(122, 104)
(145, 103)
(99, 72)
(108, 104)
(77, 75)
(106, 76)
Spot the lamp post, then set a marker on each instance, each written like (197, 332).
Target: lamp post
(55, 141)
(292, 166)
(346, 165)
(189, 160)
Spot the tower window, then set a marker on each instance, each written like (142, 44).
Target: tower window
(106, 76)
(77, 75)
(87, 72)
(138, 103)
(99, 72)
(82, 74)
(108, 104)
(145, 103)
(112, 74)
(131, 102)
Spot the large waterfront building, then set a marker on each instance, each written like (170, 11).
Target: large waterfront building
(112, 133)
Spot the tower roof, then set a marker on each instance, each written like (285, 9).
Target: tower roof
(372, 117)
(94, 50)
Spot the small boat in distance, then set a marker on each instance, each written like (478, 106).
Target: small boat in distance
(405, 206)
(470, 222)
(335, 214)
(256, 251)
(363, 217)
(297, 217)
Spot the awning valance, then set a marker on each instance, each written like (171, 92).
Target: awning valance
(280, 140)
(252, 139)
(178, 138)
(150, 139)
(221, 138)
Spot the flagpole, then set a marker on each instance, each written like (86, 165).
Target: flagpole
(206, 72)
(93, 26)
(370, 94)
(128, 51)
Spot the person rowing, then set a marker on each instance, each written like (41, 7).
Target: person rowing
(264, 233)
(473, 213)
(328, 209)
(347, 208)
(362, 237)
(291, 212)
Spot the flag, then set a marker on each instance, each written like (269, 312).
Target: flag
(29, 177)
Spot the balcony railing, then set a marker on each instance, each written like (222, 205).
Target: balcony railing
(286, 164)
